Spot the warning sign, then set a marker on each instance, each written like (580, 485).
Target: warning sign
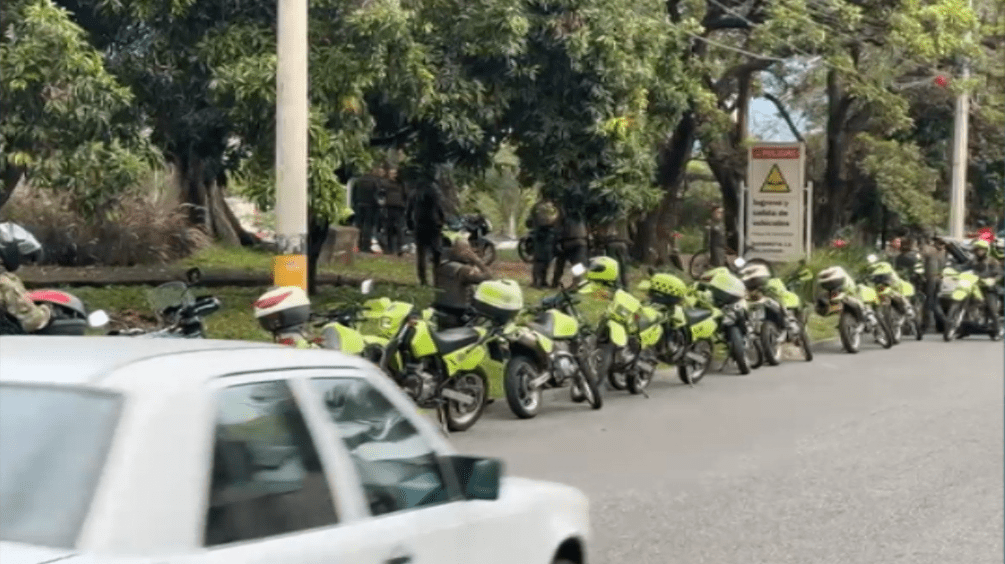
(775, 182)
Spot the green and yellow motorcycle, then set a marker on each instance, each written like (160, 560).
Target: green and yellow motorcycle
(442, 370)
(719, 289)
(855, 305)
(895, 297)
(363, 329)
(795, 314)
(961, 296)
(551, 349)
(776, 312)
(687, 339)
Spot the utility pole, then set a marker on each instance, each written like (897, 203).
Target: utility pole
(958, 191)
(292, 111)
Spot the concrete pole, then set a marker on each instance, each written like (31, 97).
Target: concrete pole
(292, 112)
(958, 194)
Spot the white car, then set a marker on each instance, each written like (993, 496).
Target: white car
(191, 451)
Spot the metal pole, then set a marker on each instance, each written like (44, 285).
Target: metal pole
(292, 111)
(958, 194)
(808, 210)
(741, 218)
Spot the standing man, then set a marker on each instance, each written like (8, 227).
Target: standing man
(574, 242)
(364, 204)
(425, 218)
(935, 260)
(542, 221)
(395, 206)
(716, 239)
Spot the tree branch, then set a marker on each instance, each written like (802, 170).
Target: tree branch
(738, 71)
(784, 112)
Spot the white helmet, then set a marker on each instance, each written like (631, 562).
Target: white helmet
(754, 275)
(282, 308)
(17, 244)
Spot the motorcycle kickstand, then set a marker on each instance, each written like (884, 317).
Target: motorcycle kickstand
(441, 417)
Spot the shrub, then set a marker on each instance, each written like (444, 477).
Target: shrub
(146, 227)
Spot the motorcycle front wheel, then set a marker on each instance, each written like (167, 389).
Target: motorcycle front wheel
(771, 342)
(883, 333)
(523, 401)
(525, 248)
(851, 331)
(695, 362)
(463, 417)
(588, 383)
(738, 349)
(953, 321)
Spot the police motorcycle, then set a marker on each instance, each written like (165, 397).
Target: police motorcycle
(796, 313)
(442, 370)
(856, 307)
(478, 227)
(619, 338)
(721, 289)
(896, 299)
(180, 313)
(961, 296)
(769, 319)
(551, 349)
(687, 339)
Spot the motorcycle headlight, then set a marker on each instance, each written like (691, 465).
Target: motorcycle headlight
(965, 284)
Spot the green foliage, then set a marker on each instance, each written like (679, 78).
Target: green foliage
(906, 185)
(67, 123)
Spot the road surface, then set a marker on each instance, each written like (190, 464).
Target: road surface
(886, 456)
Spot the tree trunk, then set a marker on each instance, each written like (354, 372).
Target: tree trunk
(828, 216)
(207, 207)
(726, 166)
(655, 228)
(11, 179)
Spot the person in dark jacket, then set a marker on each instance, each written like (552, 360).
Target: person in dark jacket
(574, 239)
(455, 278)
(394, 212)
(906, 260)
(985, 267)
(716, 239)
(542, 221)
(364, 203)
(934, 256)
(426, 219)
(613, 236)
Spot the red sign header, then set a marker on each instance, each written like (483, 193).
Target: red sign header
(775, 152)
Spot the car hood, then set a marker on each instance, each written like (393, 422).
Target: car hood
(17, 553)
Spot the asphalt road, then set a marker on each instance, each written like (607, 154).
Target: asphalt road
(880, 457)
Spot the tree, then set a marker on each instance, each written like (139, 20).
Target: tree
(66, 122)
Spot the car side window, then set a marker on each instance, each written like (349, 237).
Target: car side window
(397, 467)
(267, 476)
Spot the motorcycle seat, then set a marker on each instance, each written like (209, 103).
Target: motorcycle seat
(696, 316)
(450, 340)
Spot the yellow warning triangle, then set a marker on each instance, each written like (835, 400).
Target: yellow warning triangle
(775, 182)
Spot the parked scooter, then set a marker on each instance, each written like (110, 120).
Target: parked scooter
(552, 349)
(856, 307)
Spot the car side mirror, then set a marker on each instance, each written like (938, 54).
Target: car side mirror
(366, 287)
(480, 478)
(97, 318)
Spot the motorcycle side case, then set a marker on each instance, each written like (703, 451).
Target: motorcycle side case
(617, 332)
(422, 341)
(338, 337)
(558, 325)
(623, 307)
(391, 318)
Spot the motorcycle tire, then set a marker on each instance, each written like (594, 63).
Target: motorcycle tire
(851, 338)
(755, 354)
(886, 331)
(590, 381)
(771, 343)
(638, 381)
(475, 382)
(895, 322)
(523, 402)
(804, 343)
(525, 248)
(604, 361)
(487, 252)
(738, 349)
(953, 321)
(699, 370)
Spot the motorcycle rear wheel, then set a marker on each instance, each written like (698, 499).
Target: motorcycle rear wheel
(486, 251)
(851, 332)
(953, 321)
(771, 342)
(694, 368)
(738, 349)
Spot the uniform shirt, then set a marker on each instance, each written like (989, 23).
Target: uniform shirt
(14, 300)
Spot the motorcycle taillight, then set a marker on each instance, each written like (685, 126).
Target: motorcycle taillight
(288, 341)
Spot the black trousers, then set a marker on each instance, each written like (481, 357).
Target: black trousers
(394, 230)
(544, 247)
(426, 243)
(366, 221)
(618, 250)
(574, 251)
(933, 313)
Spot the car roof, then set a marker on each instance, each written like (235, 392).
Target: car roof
(32, 358)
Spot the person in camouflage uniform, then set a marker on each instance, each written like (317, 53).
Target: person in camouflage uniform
(17, 245)
(455, 278)
(543, 219)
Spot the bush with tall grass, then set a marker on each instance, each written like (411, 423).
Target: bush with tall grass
(145, 226)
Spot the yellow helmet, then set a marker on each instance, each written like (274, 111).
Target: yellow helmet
(603, 270)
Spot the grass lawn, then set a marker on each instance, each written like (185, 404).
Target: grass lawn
(395, 278)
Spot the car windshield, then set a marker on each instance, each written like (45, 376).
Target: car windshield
(53, 445)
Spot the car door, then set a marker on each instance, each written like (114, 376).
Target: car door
(403, 481)
(270, 495)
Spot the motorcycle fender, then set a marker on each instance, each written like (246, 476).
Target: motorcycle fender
(651, 336)
(960, 294)
(465, 360)
(790, 300)
(617, 332)
(855, 307)
(422, 341)
(375, 340)
(565, 326)
(704, 330)
(341, 338)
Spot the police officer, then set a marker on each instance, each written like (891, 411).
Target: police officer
(907, 258)
(574, 241)
(985, 267)
(394, 226)
(455, 277)
(613, 237)
(17, 245)
(716, 239)
(543, 219)
(364, 202)
(934, 256)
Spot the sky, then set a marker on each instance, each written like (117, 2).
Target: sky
(766, 125)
